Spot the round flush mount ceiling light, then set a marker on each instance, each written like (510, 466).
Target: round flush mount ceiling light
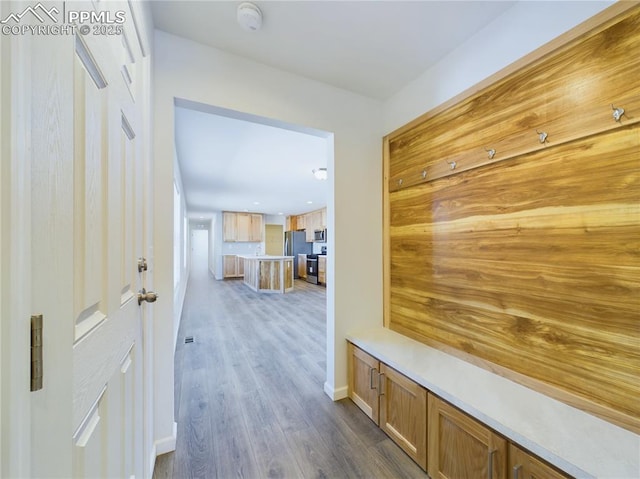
(249, 16)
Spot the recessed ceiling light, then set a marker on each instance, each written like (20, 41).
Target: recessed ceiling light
(256, 202)
(280, 213)
(309, 202)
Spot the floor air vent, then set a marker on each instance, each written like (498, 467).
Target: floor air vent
(188, 339)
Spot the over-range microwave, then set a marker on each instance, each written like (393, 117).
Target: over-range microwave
(320, 236)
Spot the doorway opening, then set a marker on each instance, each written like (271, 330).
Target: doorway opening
(230, 161)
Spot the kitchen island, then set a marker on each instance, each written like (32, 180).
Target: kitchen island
(268, 274)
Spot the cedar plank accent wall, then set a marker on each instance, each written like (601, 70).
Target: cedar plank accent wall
(528, 263)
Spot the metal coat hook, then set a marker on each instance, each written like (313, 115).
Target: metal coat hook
(452, 164)
(542, 136)
(491, 153)
(424, 174)
(617, 112)
(400, 182)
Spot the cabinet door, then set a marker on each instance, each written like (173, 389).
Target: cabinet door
(229, 226)
(243, 232)
(363, 381)
(461, 447)
(524, 465)
(229, 266)
(403, 413)
(300, 222)
(240, 266)
(256, 228)
(309, 227)
(322, 270)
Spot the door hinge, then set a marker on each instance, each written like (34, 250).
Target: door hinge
(36, 352)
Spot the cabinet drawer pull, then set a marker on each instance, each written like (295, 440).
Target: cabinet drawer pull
(381, 384)
(516, 471)
(371, 371)
(490, 471)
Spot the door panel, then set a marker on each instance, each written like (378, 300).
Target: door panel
(88, 199)
(461, 447)
(403, 413)
(363, 381)
(89, 134)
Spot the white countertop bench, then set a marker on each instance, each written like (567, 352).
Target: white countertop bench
(579, 443)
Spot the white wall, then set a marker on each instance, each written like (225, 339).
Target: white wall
(517, 32)
(187, 70)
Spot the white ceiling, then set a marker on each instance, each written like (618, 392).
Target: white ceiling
(373, 48)
(232, 162)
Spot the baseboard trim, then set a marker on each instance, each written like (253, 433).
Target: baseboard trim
(336, 394)
(167, 444)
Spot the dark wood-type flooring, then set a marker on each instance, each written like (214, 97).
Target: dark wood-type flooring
(249, 393)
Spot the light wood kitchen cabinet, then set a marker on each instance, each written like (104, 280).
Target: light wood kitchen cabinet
(322, 270)
(301, 224)
(460, 446)
(524, 465)
(257, 228)
(232, 266)
(310, 227)
(242, 227)
(302, 266)
(229, 226)
(313, 222)
(393, 401)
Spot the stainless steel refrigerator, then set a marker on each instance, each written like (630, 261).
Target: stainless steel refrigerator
(295, 243)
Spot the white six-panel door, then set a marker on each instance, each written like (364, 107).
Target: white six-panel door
(88, 220)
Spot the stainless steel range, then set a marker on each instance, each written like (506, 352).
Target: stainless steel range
(312, 268)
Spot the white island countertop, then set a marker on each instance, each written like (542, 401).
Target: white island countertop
(579, 443)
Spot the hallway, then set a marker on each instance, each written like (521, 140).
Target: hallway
(249, 392)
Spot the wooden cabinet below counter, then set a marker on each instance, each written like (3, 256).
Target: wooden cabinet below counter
(524, 465)
(460, 446)
(322, 270)
(232, 266)
(394, 402)
(445, 441)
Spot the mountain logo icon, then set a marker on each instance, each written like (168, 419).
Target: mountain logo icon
(39, 11)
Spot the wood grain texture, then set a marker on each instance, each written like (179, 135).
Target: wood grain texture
(403, 414)
(568, 95)
(249, 392)
(460, 446)
(523, 464)
(531, 263)
(363, 370)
